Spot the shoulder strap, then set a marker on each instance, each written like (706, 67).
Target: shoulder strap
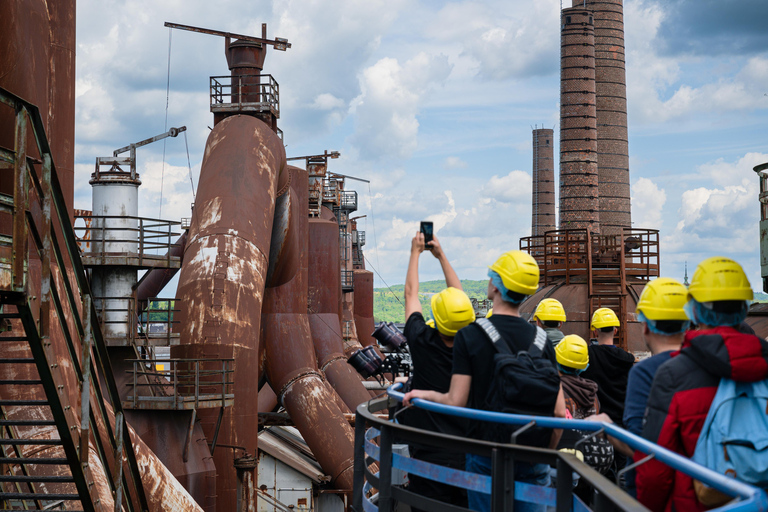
(536, 348)
(496, 340)
(539, 342)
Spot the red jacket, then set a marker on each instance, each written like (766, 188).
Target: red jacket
(682, 391)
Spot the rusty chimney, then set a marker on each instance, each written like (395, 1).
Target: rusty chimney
(543, 182)
(579, 203)
(612, 139)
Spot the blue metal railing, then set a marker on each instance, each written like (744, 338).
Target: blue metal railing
(751, 499)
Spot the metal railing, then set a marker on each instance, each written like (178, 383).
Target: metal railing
(358, 237)
(41, 223)
(570, 253)
(127, 240)
(126, 321)
(245, 93)
(188, 384)
(347, 280)
(500, 484)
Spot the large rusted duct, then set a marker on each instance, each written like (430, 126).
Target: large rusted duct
(37, 49)
(153, 282)
(291, 366)
(364, 322)
(222, 281)
(324, 316)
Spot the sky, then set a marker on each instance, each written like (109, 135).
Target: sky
(433, 102)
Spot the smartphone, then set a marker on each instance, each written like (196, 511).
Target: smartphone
(426, 228)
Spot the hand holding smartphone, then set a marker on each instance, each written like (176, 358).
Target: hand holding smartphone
(426, 228)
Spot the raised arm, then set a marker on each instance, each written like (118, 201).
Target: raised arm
(412, 304)
(451, 279)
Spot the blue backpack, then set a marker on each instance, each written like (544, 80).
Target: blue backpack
(734, 439)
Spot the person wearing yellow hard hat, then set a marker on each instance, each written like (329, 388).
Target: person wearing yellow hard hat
(609, 365)
(431, 348)
(715, 361)
(660, 310)
(513, 277)
(581, 401)
(550, 316)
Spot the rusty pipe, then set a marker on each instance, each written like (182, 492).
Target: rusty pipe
(290, 360)
(324, 302)
(221, 283)
(363, 306)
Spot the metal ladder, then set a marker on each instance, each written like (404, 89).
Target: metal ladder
(52, 339)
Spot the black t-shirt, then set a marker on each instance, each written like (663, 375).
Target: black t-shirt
(609, 367)
(473, 355)
(432, 365)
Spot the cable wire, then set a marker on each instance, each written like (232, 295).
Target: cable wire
(189, 165)
(167, 97)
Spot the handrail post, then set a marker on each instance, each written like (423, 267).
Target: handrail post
(135, 387)
(85, 396)
(564, 486)
(385, 470)
(175, 381)
(20, 201)
(119, 461)
(358, 473)
(224, 365)
(197, 383)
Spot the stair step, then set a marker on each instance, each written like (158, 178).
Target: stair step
(17, 360)
(3, 316)
(35, 442)
(20, 382)
(34, 460)
(38, 496)
(24, 402)
(13, 338)
(31, 423)
(32, 478)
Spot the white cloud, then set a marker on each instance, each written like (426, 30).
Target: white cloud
(454, 162)
(501, 42)
(647, 203)
(514, 187)
(390, 98)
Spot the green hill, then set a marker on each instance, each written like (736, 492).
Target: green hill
(389, 304)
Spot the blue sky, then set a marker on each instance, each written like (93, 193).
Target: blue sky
(434, 102)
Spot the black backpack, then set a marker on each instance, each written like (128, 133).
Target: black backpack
(522, 383)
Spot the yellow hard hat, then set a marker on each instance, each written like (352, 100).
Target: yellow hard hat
(452, 310)
(663, 299)
(717, 279)
(489, 314)
(604, 317)
(549, 310)
(572, 352)
(431, 322)
(518, 271)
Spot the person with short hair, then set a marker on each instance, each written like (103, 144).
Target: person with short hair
(660, 310)
(512, 278)
(609, 365)
(550, 316)
(685, 386)
(431, 348)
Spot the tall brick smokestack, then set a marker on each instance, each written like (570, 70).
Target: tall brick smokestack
(611, 90)
(543, 182)
(579, 204)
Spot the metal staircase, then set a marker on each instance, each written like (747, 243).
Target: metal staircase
(65, 445)
(607, 279)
